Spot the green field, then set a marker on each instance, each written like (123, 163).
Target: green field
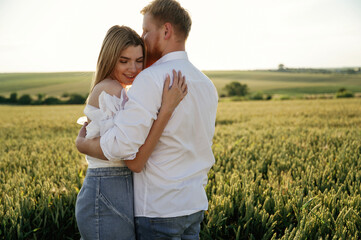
(287, 83)
(284, 170)
(55, 84)
(51, 84)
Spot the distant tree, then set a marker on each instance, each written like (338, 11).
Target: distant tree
(52, 101)
(281, 67)
(40, 97)
(343, 93)
(76, 99)
(13, 97)
(3, 99)
(236, 89)
(350, 71)
(257, 96)
(25, 99)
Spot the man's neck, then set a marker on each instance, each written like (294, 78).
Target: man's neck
(175, 47)
(180, 47)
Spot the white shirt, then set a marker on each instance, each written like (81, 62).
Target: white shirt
(173, 180)
(102, 119)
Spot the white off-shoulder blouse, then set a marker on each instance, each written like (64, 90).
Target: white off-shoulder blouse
(102, 119)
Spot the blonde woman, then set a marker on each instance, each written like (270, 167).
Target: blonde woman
(104, 207)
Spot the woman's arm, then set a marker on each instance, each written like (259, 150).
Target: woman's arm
(170, 99)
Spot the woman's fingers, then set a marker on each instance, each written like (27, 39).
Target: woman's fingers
(166, 83)
(179, 83)
(180, 79)
(184, 86)
(183, 83)
(175, 78)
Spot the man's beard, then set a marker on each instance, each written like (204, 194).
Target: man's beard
(153, 56)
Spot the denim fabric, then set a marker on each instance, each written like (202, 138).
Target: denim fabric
(183, 227)
(104, 206)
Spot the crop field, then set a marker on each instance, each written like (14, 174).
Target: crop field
(287, 83)
(284, 170)
(56, 84)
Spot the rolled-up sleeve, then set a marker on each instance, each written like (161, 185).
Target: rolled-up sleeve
(132, 124)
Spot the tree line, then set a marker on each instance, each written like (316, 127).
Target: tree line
(42, 99)
(283, 68)
(235, 90)
(240, 91)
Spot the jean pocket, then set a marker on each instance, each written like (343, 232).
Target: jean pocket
(124, 210)
(167, 228)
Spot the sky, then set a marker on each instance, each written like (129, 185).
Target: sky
(66, 35)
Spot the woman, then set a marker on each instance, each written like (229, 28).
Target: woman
(104, 207)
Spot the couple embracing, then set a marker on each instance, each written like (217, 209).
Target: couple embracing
(149, 148)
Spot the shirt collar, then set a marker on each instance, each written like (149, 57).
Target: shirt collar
(172, 56)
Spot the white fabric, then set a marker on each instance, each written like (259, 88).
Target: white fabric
(102, 119)
(173, 180)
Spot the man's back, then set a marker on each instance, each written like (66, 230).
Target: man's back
(172, 182)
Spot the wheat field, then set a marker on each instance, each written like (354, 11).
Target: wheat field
(284, 170)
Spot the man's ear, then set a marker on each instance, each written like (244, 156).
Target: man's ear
(168, 31)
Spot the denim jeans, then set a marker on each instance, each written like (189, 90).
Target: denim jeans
(104, 206)
(183, 227)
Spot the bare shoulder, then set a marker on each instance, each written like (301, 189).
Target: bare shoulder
(112, 87)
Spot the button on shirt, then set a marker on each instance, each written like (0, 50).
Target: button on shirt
(173, 179)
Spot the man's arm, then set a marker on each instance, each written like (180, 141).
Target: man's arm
(90, 147)
(171, 97)
(133, 123)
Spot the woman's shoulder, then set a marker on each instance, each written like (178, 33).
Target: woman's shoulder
(111, 87)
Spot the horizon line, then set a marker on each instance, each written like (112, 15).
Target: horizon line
(207, 70)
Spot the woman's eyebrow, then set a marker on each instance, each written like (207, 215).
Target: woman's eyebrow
(129, 58)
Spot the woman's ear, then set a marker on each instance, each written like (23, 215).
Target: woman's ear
(168, 31)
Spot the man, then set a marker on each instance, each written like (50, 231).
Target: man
(169, 192)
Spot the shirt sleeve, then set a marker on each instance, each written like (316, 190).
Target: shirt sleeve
(132, 124)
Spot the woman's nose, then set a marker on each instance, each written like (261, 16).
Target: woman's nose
(132, 67)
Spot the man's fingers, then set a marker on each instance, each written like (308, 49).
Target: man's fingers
(82, 132)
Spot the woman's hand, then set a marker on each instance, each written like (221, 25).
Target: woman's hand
(79, 142)
(173, 95)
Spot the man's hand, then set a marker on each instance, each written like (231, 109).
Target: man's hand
(80, 140)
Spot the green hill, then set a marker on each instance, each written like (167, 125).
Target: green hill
(55, 84)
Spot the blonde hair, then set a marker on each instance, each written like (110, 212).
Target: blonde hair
(117, 39)
(170, 11)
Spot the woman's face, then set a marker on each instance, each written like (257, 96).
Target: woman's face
(129, 64)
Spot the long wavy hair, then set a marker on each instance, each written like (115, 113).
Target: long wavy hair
(117, 39)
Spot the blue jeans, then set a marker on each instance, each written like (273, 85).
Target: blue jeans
(183, 227)
(104, 206)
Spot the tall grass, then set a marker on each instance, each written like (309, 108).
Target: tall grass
(284, 170)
